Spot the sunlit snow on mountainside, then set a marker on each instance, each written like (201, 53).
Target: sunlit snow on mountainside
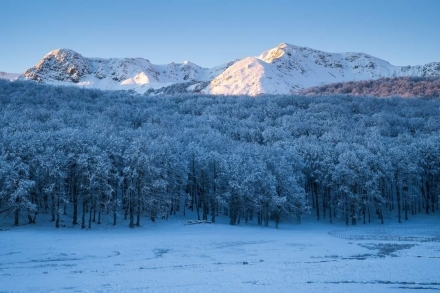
(288, 68)
(284, 69)
(67, 67)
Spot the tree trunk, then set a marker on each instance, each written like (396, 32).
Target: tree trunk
(213, 198)
(434, 200)
(138, 215)
(315, 191)
(277, 219)
(330, 214)
(52, 197)
(369, 215)
(92, 208)
(363, 214)
(427, 197)
(75, 207)
(46, 204)
(131, 224)
(398, 204)
(233, 212)
(17, 216)
(83, 216)
(57, 221)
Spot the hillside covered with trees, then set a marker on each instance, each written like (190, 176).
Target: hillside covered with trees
(407, 87)
(81, 155)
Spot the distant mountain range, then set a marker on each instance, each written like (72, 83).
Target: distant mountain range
(9, 76)
(285, 69)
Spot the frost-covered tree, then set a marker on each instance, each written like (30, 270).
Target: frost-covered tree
(82, 156)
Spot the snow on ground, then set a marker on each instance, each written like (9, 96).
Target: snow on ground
(168, 256)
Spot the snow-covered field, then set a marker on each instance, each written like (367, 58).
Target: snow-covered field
(168, 256)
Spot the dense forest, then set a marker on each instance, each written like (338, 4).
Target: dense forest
(385, 87)
(81, 155)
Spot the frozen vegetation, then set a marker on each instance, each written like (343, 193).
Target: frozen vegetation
(427, 87)
(84, 155)
(204, 181)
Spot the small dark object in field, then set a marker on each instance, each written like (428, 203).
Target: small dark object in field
(193, 222)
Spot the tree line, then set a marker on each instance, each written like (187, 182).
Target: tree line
(84, 155)
(407, 87)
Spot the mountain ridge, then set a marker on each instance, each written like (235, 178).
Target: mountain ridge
(284, 69)
(287, 69)
(67, 67)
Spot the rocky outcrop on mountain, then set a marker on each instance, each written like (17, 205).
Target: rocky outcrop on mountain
(64, 67)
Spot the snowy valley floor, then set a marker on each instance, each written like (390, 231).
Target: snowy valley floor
(168, 256)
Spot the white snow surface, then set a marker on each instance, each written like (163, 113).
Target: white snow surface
(168, 256)
(9, 76)
(287, 69)
(67, 67)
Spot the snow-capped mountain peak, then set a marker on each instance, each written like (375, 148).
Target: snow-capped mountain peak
(287, 69)
(276, 53)
(59, 65)
(284, 69)
(62, 54)
(64, 66)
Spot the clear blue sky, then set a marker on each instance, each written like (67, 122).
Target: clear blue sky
(212, 32)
